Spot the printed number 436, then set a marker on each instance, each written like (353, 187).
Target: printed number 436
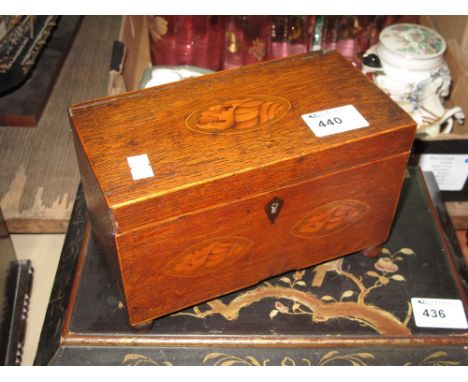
(434, 313)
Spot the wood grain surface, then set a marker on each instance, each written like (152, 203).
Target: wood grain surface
(222, 147)
(186, 163)
(179, 262)
(40, 175)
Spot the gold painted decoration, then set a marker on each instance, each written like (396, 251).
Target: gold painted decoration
(438, 358)
(329, 358)
(135, 359)
(208, 256)
(238, 115)
(350, 304)
(332, 357)
(330, 218)
(291, 295)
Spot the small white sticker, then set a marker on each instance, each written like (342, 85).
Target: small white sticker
(334, 121)
(450, 170)
(140, 167)
(438, 313)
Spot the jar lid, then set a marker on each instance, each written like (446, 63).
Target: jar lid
(412, 41)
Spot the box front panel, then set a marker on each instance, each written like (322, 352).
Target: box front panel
(196, 257)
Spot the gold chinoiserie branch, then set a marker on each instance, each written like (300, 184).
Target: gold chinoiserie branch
(324, 308)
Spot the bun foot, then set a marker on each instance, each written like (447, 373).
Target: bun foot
(143, 328)
(373, 251)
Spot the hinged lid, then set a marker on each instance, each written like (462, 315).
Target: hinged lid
(215, 139)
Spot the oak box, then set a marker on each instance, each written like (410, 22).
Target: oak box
(206, 186)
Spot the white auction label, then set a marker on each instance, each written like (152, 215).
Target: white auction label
(450, 170)
(438, 313)
(140, 167)
(334, 121)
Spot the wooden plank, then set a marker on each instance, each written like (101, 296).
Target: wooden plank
(462, 237)
(40, 175)
(458, 212)
(134, 34)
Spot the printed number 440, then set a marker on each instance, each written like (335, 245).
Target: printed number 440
(330, 122)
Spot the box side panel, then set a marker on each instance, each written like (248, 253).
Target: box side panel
(200, 256)
(102, 221)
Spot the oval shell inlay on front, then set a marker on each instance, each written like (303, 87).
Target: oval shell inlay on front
(330, 218)
(208, 256)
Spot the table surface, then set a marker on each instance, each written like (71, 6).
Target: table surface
(40, 174)
(355, 310)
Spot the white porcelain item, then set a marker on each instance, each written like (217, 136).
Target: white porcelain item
(408, 64)
(411, 46)
(160, 75)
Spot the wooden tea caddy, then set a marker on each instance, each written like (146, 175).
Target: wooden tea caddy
(199, 188)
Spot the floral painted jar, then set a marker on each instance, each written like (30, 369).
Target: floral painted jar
(408, 64)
